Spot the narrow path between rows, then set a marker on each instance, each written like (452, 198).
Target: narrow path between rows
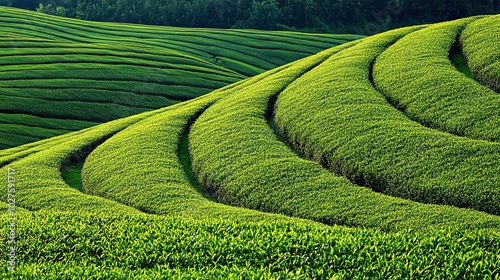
(458, 59)
(184, 157)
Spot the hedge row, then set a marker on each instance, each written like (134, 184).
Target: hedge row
(360, 135)
(47, 56)
(38, 181)
(417, 76)
(237, 157)
(96, 246)
(150, 176)
(479, 41)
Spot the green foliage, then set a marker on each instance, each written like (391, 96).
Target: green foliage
(185, 161)
(77, 73)
(28, 120)
(416, 75)
(358, 134)
(147, 247)
(40, 185)
(72, 175)
(164, 186)
(237, 157)
(307, 142)
(479, 41)
(50, 9)
(337, 16)
(263, 15)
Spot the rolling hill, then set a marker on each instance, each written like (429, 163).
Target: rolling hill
(374, 159)
(59, 75)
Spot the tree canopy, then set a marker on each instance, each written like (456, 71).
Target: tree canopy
(362, 16)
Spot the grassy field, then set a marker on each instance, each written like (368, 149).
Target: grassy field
(59, 75)
(330, 167)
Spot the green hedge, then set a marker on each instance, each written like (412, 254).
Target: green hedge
(237, 157)
(131, 68)
(38, 181)
(358, 134)
(479, 41)
(150, 176)
(59, 246)
(417, 76)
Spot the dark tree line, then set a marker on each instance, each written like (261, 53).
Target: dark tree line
(353, 16)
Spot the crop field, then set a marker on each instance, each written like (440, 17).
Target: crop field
(374, 159)
(59, 75)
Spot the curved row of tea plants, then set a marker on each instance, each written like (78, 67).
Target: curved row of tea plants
(479, 42)
(359, 134)
(237, 157)
(38, 181)
(40, 186)
(243, 46)
(152, 177)
(59, 75)
(416, 75)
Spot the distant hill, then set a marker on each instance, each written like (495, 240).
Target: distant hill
(59, 75)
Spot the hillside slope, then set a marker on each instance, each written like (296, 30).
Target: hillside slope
(321, 168)
(59, 75)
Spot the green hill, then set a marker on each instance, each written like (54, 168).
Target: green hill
(59, 75)
(340, 165)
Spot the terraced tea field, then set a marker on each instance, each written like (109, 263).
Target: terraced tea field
(375, 159)
(59, 75)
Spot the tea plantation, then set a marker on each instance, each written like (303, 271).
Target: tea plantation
(375, 159)
(59, 75)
